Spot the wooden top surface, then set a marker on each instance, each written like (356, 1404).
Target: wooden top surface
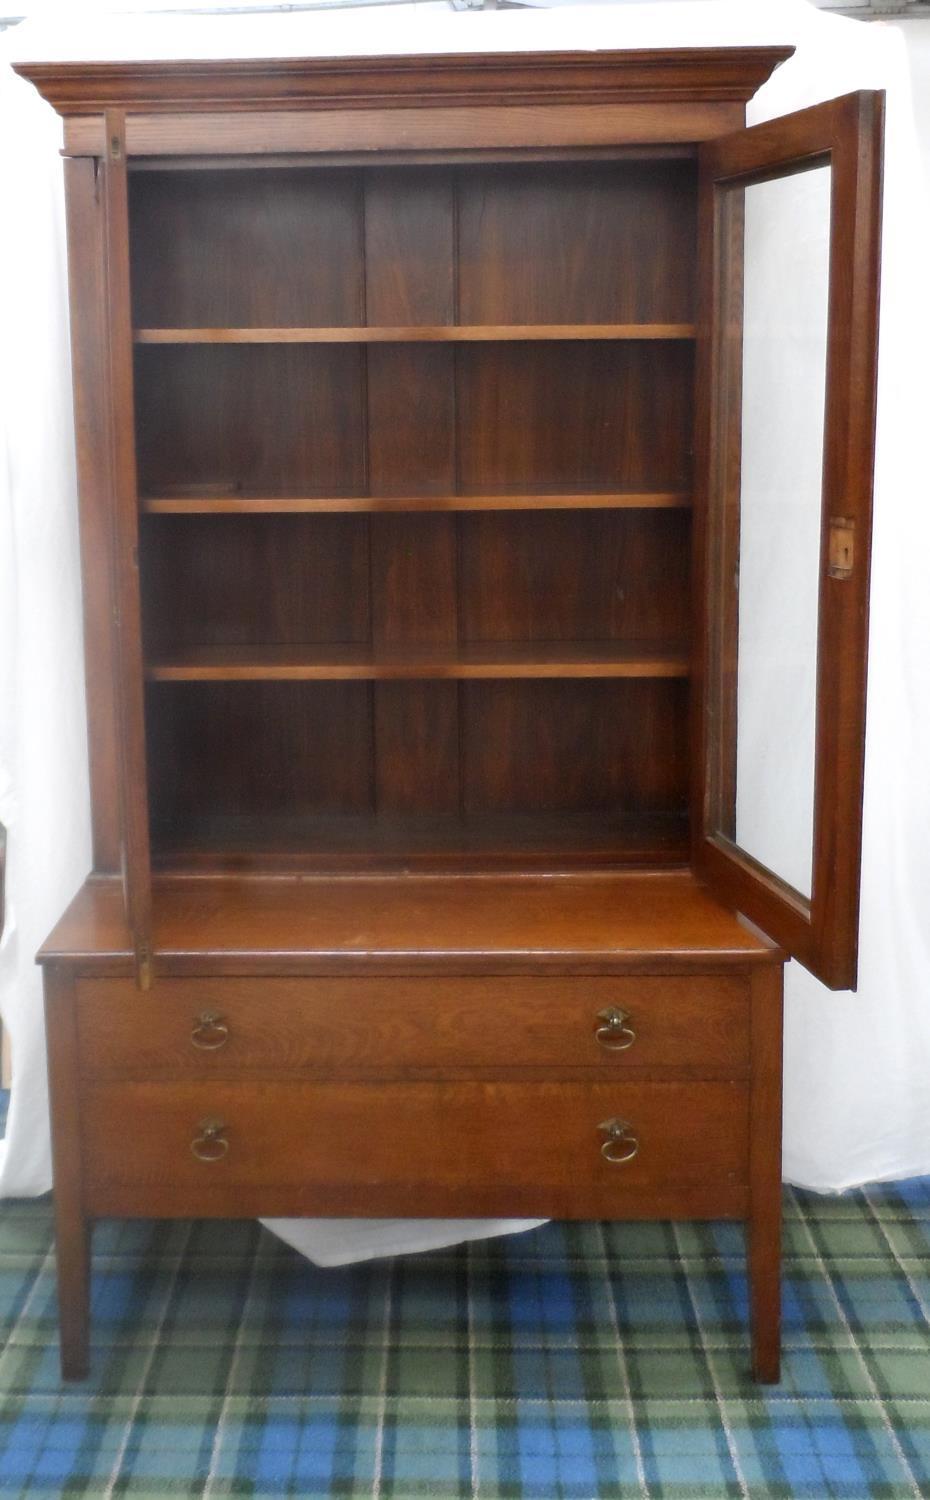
(490, 923)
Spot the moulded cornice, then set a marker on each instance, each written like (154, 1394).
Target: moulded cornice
(710, 75)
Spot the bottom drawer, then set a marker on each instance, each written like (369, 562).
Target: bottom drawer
(420, 1149)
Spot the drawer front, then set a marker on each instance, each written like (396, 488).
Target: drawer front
(425, 1148)
(252, 1027)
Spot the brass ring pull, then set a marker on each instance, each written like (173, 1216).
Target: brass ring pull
(621, 1144)
(615, 1034)
(211, 1144)
(210, 1032)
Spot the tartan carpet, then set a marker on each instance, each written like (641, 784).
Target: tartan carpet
(573, 1362)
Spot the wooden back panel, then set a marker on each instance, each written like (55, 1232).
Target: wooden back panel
(425, 769)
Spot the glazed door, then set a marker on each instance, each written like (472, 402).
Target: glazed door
(789, 244)
(130, 679)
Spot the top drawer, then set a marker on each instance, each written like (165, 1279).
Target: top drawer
(249, 1027)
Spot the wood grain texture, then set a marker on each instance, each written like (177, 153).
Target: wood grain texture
(584, 922)
(389, 1028)
(295, 580)
(564, 577)
(406, 132)
(624, 415)
(219, 248)
(285, 419)
(219, 504)
(307, 663)
(124, 551)
(418, 823)
(87, 292)
(546, 245)
(72, 1226)
(847, 132)
(419, 334)
(667, 74)
(577, 746)
(297, 753)
(765, 1129)
(375, 1144)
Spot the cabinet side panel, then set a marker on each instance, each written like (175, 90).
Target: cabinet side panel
(88, 334)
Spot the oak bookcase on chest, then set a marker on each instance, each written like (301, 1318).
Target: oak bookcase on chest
(420, 487)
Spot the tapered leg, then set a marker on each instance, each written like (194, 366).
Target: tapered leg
(73, 1258)
(764, 1227)
(71, 1225)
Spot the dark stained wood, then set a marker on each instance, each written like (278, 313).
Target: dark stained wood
(218, 504)
(411, 443)
(823, 932)
(298, 752)
(362, 1144)
(548, 245)
(560, 576)
(624, 415)
(414, 401)
(190, 162)
(419, 334)
(666, 75)
(200, 238)
(584, 922)
(417, 822)
(307, 663)
(130, 686)
(272, 419)
(413, 593)
(295, 580)
(764, 1229)
(299, 1199)
(88, 293)
(416, 771)
(414, 131)
(409, 271)
(607, 747)
(381, 1028)
(72, 1226)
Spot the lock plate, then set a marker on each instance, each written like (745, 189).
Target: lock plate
(842, 553)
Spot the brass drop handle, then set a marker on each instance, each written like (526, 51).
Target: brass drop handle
(622, 1142)
(211, 1144)
(210, 1032)
(616, 1034)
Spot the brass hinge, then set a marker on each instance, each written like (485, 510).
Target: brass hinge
(842, 553)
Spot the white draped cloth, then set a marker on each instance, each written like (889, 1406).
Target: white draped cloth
(856, 1101)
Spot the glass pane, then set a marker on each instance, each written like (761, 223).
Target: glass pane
(774, 525)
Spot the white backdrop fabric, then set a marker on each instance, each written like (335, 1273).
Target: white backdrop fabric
(857, 1106)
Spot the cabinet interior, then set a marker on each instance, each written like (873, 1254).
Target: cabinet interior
(414, 465)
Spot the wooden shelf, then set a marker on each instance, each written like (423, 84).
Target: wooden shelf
(418, 334)
(332, 663)
(379, 841)
(233, 504)
(587, 923)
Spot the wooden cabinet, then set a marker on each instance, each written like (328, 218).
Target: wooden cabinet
(415, 405)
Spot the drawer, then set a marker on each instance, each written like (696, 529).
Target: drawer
(381, 1027)
(421, 1148)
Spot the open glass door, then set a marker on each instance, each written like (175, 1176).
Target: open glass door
(790, 227)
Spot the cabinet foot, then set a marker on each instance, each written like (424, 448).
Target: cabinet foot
(73, 1258)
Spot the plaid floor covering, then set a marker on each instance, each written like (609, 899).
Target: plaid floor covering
(570, 1363)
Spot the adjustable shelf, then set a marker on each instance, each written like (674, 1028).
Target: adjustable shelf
(337, 663)
(418, 334)
(236, 504)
